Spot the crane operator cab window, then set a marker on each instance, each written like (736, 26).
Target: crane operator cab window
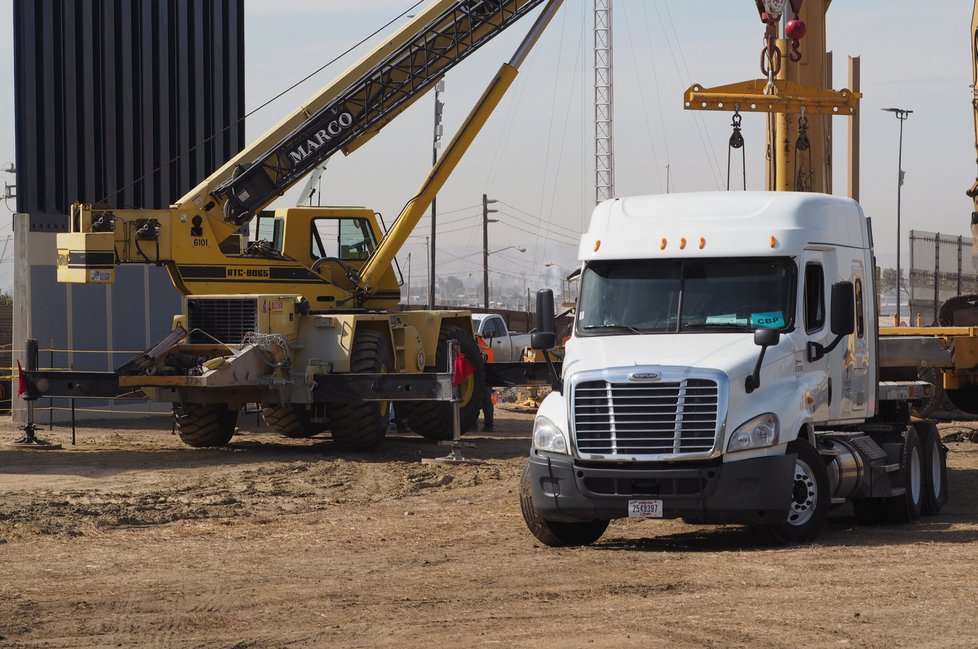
(346, 239)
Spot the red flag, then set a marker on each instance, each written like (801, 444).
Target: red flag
(463, 370)
(21, 380)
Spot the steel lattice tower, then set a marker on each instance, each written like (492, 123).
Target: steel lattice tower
(604, 149)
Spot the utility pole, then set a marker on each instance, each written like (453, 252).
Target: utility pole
(436, 144)
(485, 248)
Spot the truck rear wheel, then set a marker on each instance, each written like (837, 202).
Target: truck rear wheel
(362, 425)
(935, 468)
(292, 420)
(810, 500)
(906, 507)
(203, 425)
(551, 533)
(433, 419)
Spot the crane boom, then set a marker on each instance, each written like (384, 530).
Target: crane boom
(354, 108)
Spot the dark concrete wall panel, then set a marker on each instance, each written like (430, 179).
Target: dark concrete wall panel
(164, 303)
(49, 316)
(128, 314)
(129, 103)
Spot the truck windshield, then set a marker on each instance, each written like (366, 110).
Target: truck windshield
(668, 296)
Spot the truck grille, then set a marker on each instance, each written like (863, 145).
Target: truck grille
(225, 320)
(646, 419)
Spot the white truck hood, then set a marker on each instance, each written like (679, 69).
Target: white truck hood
(734, 354)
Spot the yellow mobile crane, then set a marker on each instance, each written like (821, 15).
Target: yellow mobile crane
(298, 319)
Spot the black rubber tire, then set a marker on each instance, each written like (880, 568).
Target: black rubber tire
(810, 499)
(433, 419)
(906, 507)
(362, 425)
(935, 468)
(205, 425)
(292, 420)
(551, 533)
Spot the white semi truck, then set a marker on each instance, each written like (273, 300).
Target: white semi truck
(724, 367)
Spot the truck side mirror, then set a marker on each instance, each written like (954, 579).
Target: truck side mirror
(763, 338)
(843, 319)
(843, 308)
(545, 337)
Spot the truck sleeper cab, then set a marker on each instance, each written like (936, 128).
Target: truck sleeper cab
(722, 369)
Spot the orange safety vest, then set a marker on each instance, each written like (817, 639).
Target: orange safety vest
(485, 348)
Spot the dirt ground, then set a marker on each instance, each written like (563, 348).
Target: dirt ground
(131, 539)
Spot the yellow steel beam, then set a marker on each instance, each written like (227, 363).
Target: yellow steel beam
(784, 97)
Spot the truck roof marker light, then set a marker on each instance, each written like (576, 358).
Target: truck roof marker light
(774, 242)
(682, 243)
(597, 244)
(702, 243)
(663, 244)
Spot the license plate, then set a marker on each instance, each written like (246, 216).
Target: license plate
(645, 509)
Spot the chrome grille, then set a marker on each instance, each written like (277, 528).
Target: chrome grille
(225, 320)
(646, 418)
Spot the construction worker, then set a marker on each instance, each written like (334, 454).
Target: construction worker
(487, 408)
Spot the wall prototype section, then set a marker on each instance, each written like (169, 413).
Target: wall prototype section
(120, 103)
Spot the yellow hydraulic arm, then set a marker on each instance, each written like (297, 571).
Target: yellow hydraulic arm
(382, 257)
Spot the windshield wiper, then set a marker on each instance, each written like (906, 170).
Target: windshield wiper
(726, 326)
(592, 327)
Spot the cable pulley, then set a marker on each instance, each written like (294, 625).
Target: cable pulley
(736, 142)
(804, 180)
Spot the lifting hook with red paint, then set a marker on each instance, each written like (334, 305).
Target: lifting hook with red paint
(770, 12)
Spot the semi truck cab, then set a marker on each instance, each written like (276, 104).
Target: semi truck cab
(722, 368)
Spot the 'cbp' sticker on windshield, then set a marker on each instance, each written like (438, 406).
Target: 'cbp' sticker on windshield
(771, 320)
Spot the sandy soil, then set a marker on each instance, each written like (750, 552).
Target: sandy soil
(131, 539)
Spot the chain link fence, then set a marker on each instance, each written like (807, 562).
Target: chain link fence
(941, 267)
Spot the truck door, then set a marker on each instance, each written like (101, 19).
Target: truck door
(856, 383)
(814, 325)
(494, 331)
(837, 383)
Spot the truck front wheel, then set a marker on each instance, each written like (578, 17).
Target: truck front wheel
(810, 499)
(554, 534)
(362, 425)
(203, 425)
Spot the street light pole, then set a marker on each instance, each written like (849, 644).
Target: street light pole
(901, 114)
(485, 265)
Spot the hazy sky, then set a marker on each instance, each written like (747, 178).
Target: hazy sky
(536, 154)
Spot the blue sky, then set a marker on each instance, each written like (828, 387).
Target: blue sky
(536, 154)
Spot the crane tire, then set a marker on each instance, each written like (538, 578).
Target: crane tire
(362, 425)
(205, 425)
(292, 420)
(433, 419)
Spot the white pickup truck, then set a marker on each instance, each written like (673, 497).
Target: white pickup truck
(506, 345)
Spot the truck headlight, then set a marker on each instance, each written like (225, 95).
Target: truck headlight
(759, 432)
(548, 437)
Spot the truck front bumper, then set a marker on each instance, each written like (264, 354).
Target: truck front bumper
(751, 491)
